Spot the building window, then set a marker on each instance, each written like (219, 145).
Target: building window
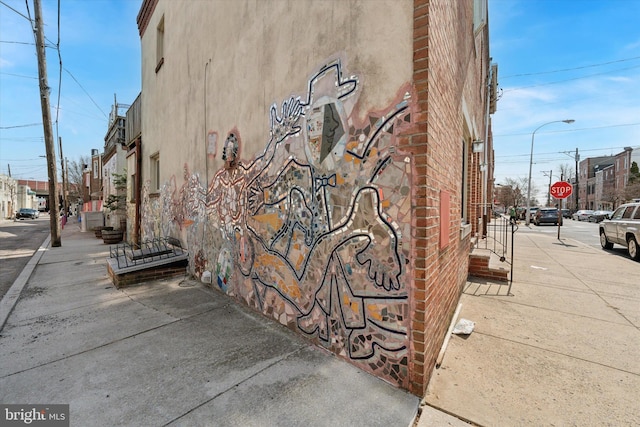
(479, 13)
(160, 44)
(154, 168)
(464, 180)
(132, 186)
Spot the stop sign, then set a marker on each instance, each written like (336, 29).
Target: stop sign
(561, 190)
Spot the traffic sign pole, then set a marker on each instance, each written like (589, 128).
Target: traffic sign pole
(560, 190)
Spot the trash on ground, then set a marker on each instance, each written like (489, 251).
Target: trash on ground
(464, 327)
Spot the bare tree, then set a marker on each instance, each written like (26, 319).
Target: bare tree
(520, 187)
(567, 172)
(75, 171)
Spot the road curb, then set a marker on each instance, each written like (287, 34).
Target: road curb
(11, 297)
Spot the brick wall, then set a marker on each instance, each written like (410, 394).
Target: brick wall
(447, 67)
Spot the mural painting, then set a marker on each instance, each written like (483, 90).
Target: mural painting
(315, 231)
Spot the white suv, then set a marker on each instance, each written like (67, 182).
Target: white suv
(623, 229)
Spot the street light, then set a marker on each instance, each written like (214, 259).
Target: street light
(533, 135)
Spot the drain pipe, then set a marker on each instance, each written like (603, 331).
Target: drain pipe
(448, 337)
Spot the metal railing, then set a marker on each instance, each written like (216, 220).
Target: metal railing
(499, 240)
(146, 252)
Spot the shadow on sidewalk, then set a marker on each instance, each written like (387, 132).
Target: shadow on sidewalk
(485, 287)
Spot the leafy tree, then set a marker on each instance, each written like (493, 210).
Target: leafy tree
(117, 202)
(634, 173)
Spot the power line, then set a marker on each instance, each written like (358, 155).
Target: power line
(572, 79)
(12, 42)
(561, 152)
(25, 138)
(20, 126)
(19, 75)
(571, 130)
(4, 4)
(59, 76)
(94, 102)
(569, 69)
(57, 47)
(21, 160)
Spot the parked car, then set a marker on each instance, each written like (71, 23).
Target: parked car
(566, 213)
(598, 216)
(622, 229)
(582, 215)
(26, 213)
(547, 216)
(532, 214)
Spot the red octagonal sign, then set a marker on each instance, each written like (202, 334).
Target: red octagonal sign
(561, 190)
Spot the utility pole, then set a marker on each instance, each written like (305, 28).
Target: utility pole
(54, 220)
(577, 182)
(549, 190)
(65, 204)
(66, 188)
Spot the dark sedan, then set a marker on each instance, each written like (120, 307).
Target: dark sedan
(26, 213)
(547, 216)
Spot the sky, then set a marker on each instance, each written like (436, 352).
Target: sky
(99, 47)
(559, 60)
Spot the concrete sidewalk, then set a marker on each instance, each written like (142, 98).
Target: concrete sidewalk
(170, 352)
(563, 350)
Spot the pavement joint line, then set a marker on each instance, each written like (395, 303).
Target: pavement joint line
(25, 319)
(568, 313)
(601, 298)
(637, 374)
(10, 299)
(275, 362)
(90, 349)
(424, 402)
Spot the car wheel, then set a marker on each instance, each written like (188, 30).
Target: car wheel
(604, 242)
(632, 248)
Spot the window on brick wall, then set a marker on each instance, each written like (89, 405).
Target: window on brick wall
(464, 193)
(479, 14)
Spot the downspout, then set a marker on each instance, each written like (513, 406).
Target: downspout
(206, 144)
(136, 227)
(486, 149)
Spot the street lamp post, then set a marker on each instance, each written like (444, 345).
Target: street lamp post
(533, 135)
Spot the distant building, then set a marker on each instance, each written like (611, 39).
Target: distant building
(114, 164)
(604, 181)
(8, 194)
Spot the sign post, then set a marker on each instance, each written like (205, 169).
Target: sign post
(560, 190)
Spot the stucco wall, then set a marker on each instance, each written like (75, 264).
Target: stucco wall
(311, 159)
(310, 223)
(235, 59)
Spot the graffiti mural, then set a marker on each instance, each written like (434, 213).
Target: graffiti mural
(315, 231)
